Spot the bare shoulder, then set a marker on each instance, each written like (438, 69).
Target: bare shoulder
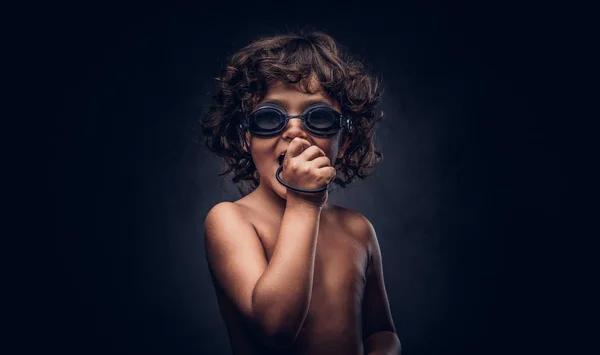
(227, 211)
(356, 224)
(221, 212)
(227, 220)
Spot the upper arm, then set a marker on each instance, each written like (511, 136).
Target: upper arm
(234, 253)
(376, 309)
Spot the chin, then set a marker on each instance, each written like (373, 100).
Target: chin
(280, 190)
(276, 186)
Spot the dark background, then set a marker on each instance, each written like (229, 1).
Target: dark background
(465, 202)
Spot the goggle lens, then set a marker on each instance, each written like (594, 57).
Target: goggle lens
(268, 120)
(321, 119)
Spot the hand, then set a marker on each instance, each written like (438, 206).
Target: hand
(307, 167)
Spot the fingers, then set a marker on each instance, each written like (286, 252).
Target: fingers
(302, 148)
(306, 152)
(296, 147)
(327, 174)
(321, 162)
(307, 166)
(312, 153)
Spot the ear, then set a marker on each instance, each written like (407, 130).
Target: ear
(347, 140)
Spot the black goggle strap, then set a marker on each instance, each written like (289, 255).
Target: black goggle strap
(242, 126)
(346, 123)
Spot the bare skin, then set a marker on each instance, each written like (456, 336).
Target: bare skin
(294, 274)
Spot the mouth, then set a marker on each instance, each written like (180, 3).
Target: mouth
(280, 158)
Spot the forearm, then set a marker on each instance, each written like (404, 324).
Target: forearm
(282, 295)
(383, 342)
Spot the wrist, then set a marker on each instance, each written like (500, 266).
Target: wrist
(305, 200)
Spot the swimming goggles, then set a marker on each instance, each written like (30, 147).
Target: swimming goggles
(320, 120)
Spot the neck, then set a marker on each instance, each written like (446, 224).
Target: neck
(270, 200)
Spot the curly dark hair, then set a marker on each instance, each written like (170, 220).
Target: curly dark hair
(293, 58)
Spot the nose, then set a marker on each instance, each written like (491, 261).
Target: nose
(294, 129)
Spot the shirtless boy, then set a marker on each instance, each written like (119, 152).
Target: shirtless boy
(294, 274)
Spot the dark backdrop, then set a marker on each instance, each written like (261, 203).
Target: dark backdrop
(464, 201)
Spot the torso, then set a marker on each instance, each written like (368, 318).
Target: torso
(333, 322)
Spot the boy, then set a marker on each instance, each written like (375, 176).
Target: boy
(292, 273)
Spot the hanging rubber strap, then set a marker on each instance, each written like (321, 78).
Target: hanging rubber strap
(296, 188)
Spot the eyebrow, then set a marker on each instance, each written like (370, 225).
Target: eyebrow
(305, 104)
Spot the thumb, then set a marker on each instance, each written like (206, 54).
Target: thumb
(297, 146)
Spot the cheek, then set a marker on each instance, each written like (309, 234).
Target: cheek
(262, 150)
(330, 146)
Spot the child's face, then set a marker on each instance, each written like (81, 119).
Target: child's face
(265, 151)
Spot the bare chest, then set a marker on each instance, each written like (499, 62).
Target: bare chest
(340, 257)
(338, 281)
